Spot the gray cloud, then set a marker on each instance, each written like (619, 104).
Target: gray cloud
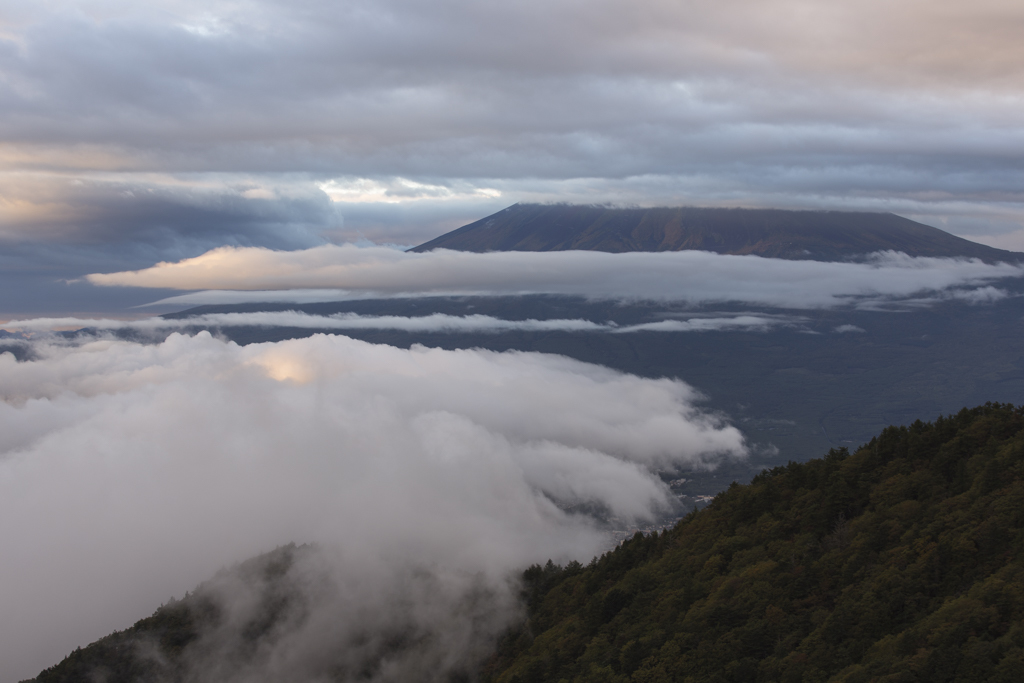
(130, 472)
(162, 212)
(912, 107)
(707, 324)
(691, 276)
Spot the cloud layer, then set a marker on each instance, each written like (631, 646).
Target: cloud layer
(130, 472)
(691, 276)
(435, 322)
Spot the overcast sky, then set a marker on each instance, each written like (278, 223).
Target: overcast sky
(138, 132)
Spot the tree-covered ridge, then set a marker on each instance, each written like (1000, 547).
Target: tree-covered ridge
(153, 648)
(900, 562)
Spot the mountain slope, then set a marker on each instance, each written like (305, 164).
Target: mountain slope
(901, 562)
(817, 235)
(158, 647)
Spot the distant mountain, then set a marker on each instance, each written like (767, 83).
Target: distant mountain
(804, 235)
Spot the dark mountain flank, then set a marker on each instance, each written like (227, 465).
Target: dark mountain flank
(903, 561)
(774, 233)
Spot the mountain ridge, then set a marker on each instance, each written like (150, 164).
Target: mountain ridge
(772, 233)
(901, 561)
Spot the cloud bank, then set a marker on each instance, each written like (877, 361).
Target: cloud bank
(690, 276)
(130, 472)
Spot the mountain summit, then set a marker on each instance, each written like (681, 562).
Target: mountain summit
(774, 233)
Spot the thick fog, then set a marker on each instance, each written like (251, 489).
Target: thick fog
(692, 276)
(131, 472)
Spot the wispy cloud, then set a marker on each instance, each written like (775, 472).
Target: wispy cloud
(708, 324)
(971, 295)
(435, 322)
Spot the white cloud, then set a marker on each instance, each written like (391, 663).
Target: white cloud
(971, 295)
(979, 295)
(130, 472)
(435, 322)
(692, 276)
(398, 190)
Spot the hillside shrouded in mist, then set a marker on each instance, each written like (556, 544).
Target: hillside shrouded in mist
(901, 561)
(130, 472)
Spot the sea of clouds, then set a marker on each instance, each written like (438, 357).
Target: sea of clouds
(130, 472)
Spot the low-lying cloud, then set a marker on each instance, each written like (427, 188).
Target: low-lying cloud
(690, 276)
(129, 472)
(435, 322)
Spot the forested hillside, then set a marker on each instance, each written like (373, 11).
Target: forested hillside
(901, 562)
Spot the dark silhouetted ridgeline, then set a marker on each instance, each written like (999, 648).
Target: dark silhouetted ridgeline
(901, 562)
(775, 233)
(155, 649)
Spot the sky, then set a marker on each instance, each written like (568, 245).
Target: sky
(135, 133)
